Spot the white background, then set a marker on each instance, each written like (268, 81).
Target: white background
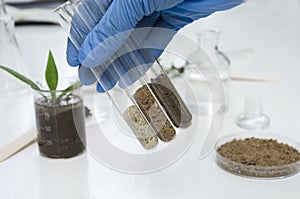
(260, 37)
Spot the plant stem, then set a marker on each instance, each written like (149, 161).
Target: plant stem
(53, 95)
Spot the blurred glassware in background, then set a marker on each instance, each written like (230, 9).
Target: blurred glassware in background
(10, 55)
(205, 58)
(15, 101)
(253, 117)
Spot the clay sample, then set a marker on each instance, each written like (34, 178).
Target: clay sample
(140, 127)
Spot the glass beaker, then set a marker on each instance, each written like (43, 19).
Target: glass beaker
(60, 122)
(208, 58)
(10, 55)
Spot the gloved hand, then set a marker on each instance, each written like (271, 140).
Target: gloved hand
(113, 23)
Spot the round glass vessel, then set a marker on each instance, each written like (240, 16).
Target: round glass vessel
(60, 123)
(255, 171)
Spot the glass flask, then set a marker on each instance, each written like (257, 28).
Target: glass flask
(10, 55)
(208, 58)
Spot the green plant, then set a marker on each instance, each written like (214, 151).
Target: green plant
(51, 76)
(175, 71)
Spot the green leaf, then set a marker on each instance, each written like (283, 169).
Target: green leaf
(69, 89)
(51, 73)
(21, 77)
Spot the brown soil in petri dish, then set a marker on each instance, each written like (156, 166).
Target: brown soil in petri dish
(260, 152)
(61, 128)
(260, 157)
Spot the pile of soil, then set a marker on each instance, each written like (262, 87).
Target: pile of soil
(259, 152)
(255, 157)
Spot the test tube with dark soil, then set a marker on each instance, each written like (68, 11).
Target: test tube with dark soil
(171, 101)
(60, 126)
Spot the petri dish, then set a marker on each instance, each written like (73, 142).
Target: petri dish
(254, 171)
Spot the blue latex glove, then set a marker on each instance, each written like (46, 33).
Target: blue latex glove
(123, 16)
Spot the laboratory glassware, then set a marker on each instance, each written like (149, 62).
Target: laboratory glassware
(10, 54)
(60, 123)
(253, 117)
(208, 58)
(255, 171)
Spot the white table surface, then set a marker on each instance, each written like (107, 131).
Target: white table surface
(261, 38)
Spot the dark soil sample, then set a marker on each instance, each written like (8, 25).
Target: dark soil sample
(61, 127)
(171, 101)
(154, 114)
(258, 158)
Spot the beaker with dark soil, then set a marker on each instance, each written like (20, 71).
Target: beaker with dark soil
(60, 123)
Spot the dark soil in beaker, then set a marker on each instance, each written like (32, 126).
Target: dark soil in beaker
(61, 127)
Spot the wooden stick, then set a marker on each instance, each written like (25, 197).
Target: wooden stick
(18, 144)
(253, 79)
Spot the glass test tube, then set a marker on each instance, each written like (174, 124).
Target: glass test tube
(157, 118)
